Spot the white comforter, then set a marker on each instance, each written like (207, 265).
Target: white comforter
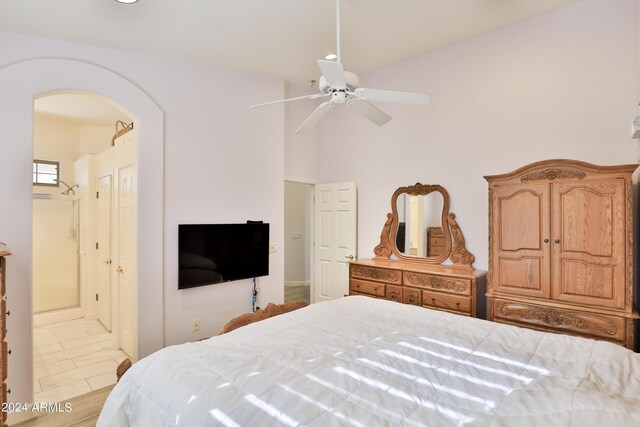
(365, 362)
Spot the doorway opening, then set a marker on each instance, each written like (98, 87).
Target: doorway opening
(84, 246)
(298, 241)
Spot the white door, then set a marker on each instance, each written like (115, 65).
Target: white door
(126, 260)
(103, 296)
(335, 238)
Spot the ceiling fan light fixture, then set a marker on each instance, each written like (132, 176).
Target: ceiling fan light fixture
(343, 87)
(126, 1)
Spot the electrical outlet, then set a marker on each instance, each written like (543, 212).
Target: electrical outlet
(196, 325)
(273, 247)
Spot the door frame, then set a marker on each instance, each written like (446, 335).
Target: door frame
(109, 284)
(310, 243)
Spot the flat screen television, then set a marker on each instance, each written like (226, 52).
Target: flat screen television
(216, 253)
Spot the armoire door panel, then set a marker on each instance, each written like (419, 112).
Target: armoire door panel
(521, 273)
(587, 221)
(526, 207)
(520, 233)
(581, 279)
(589, 242)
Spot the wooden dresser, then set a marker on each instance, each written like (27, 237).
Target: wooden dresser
(4, 253)
(394, 274)
(439, 287)
(435, 241)
(560, 249)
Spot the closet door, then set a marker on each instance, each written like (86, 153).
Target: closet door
(520, 244)
(588, 234)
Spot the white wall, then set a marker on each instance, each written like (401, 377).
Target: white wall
(561, 85)
(296, 233)
(55, 140)
(223, 163)
(302, 151)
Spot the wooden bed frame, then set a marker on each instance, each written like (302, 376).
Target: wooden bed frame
(245, 319)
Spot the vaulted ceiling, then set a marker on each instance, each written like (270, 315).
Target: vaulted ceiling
(282, 38)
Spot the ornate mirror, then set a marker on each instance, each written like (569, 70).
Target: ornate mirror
(418, 232)
(421, 228)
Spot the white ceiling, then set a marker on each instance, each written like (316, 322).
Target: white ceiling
(282, 38)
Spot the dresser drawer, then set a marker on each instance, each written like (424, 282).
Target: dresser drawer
(393, 293)
(4, 361)
(364, 295)
(412, 296)
(393, 277)
(560, 320)
(435, 251)
(434, 231)
(446, 301)
(364, 287)
(439, 283)
(3, 317)
(436, 241)
(3, 288)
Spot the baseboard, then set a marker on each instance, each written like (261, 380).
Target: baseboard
(57, 316)
(297, 283)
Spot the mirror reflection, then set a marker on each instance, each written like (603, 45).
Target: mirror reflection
(420, 225)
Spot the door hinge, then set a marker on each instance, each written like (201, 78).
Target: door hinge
(96, 245)
(97, 297)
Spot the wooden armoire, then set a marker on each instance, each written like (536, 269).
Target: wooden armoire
(561, 249)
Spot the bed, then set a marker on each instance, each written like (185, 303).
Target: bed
(360, 361)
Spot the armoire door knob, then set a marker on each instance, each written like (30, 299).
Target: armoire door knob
(546, 240)
(557, 240)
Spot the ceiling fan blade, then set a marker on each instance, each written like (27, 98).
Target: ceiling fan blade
(369, 111)
(333, 73)
(315, 117)
(314, 96)
(411, 98)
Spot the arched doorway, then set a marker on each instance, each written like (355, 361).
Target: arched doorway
(20, 84)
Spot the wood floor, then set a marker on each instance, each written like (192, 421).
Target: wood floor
(297, 293)
(84, 412)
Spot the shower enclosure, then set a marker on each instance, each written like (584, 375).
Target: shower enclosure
(56, 284)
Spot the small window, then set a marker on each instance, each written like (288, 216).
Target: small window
(46, 173)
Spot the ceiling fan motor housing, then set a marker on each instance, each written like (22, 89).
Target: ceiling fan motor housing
(352, 83)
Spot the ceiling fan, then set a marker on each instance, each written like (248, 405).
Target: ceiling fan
(341, 87)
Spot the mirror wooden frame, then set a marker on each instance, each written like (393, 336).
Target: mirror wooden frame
(454, 243)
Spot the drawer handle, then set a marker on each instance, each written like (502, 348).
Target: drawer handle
(375, 289)
(457, 304)
(433, 300)
(9, 351)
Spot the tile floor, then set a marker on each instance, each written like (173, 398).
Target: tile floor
(73, 358)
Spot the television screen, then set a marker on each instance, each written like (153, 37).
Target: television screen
(215, 253)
